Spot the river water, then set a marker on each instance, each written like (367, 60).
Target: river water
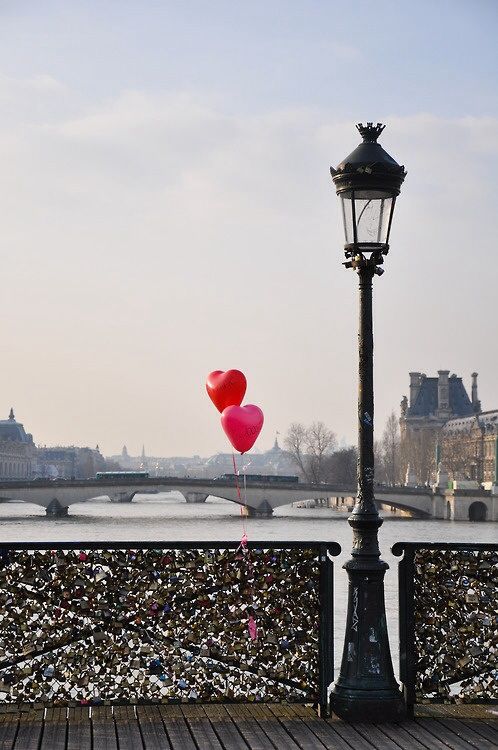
(168, 518)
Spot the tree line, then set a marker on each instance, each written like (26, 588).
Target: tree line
(314, 452)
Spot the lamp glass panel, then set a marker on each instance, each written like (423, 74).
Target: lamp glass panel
(372, 211)
(372, 216)
(347, 217)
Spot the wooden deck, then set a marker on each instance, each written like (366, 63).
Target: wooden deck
(240, 727)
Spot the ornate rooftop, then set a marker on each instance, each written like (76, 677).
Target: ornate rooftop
(426, 402)
(13, 431)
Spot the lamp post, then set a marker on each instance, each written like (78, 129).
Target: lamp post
(367, 182)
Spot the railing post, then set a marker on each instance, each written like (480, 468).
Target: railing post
(406, 574)
(326, 638)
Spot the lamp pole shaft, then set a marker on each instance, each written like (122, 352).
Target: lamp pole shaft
(365, 502)
(366, 689)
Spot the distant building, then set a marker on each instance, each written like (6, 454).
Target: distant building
(124, 459)
(469, 447)
(441, 423)
(20, 458)
(144, 464)
(17, 450)
(69, 462)
(274, 461)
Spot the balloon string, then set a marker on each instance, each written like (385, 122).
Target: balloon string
(242, 500)
(246, 555)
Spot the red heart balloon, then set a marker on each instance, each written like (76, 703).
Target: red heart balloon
(226, 388)
(242, 425)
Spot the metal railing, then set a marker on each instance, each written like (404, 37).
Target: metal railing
(448, 622)
(140, 622)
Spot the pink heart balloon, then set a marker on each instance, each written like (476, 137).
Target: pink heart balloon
(242, 425)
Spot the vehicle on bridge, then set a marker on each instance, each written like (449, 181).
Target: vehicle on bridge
(122, 475)
(270, 478)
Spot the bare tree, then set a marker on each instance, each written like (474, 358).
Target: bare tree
(295, 443)
(321, 441)
(418, 451)
(457, 455)
(308, 447)
(391, 450)
(341, 466)
(380, 472)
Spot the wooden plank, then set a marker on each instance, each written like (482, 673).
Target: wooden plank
(402, 738)
(435, 727)
(300, 709)
(324, 730)
(200, 727)
(79, 729)
(295, 727)
(250, 730)
(127, 728)
(269, 723)
(349, 734)
(376, 737)
(8, 731)
(176, 728)
(103, 729)
(484, 729)
(30, 731)
(55, 729)
(454, 711)
(151, 725)
(423, 736)
(225, 729)
(468, 734)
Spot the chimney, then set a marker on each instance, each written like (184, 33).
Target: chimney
(475, 400)
(443, 397)
(415, 378)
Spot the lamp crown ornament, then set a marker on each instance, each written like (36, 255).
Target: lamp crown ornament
(370, 132)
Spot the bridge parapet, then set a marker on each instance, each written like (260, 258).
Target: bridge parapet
(458, 668)
(162, 622)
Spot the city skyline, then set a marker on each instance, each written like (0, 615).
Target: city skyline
(168, 211)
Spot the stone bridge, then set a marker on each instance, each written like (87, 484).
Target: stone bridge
(260, 498)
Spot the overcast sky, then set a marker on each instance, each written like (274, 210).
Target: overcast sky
(167, 210)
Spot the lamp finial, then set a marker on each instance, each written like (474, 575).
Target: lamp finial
(370, 132)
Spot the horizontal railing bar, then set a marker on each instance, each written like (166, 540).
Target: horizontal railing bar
(333, 547)
(439, 701)
(399, 547)
(454, 679)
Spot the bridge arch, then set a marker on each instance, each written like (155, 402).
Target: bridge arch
(478, 511)
(396, 505)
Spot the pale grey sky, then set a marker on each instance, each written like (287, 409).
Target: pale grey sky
(167, 210)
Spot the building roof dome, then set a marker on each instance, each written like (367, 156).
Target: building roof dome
(14, 431)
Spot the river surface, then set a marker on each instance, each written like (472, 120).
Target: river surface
(168, 518)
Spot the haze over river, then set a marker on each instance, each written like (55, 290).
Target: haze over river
(167, 518)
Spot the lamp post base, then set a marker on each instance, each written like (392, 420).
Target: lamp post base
(366, 689)
(355, 706)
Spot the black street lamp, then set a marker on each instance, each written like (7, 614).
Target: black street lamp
(368, 182)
